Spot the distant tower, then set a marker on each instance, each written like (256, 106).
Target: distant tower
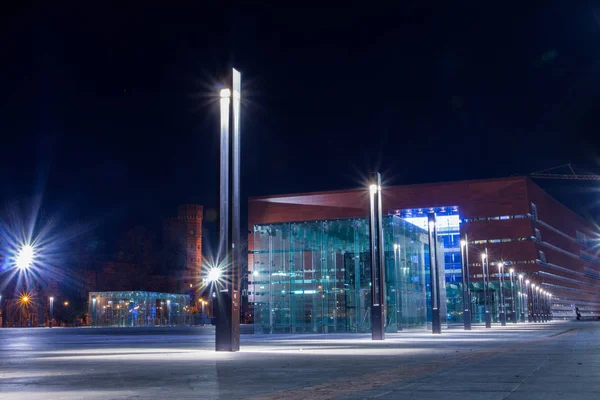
(191, 217)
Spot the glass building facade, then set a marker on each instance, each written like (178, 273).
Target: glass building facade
(315, 276)
(132, 309)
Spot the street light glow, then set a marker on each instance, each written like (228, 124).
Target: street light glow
(214, 274)
(373, 189)
(225, 93)
(463, 243)
(25, 257)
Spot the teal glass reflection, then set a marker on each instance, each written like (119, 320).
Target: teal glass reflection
(134, 309)
(315, 276)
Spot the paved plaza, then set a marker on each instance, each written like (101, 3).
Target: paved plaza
(556, 360)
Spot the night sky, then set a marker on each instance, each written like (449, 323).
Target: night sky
(110, 114)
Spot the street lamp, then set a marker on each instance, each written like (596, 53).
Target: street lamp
(540, 299)
(542, 305)
(502, 301)
(484, 269)
(25, 257)
(529, 301)
(24, 300)
(538, 294)
(521, 298)
(535, 301)
(51, 316)
(214, 274)
(436, 323)
(169, 312)
(513, 295)
(227, 332)
(377, 259)
(464, 255)
(94, 303)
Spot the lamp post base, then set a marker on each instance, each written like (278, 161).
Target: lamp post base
(488, 319)
(467, 320)
(227, 315)
(503, 319)
(436, 323)
(377, 327)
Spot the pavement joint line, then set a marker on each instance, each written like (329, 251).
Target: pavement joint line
(342, 387)
(527, 377)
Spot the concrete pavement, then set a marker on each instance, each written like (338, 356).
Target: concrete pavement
(557, 360)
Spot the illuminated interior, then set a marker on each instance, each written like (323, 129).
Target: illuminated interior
(131, 309)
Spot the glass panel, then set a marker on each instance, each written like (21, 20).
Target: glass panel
(133, 309)
(315, 277)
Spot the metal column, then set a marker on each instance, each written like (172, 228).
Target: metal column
(464, 253)
(228, 298)
(436, 323)
(502, 297)
(377, 259)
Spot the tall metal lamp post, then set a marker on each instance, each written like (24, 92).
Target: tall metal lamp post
(534, 310)
(521, 299)
(51, 316)
(436, 322)
(542, 302)
(513, 294)
(377, 259)
(529, 301)
(464, 255)
(544, 306)
(486, 288)
(228, 300)
(502, 299)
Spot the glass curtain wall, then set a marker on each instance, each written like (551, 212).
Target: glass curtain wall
(448, 232)
(315, 277)
(131, 309)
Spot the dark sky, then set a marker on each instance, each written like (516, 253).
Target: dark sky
(110, 113)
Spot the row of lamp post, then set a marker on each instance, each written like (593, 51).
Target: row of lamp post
(532, 299)
(539, 309)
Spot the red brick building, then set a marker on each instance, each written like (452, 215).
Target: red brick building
(513, 218)
(183, 245)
